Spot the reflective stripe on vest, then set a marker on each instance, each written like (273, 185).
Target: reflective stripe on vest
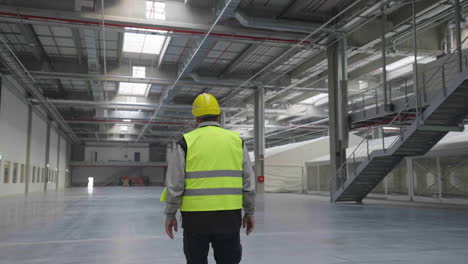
(216, 173)
(213, 170)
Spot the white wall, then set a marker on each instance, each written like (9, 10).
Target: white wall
(13, 143)
(13, 134)
(53, 153)
(38, 150)
(116, 153)
(62, 181)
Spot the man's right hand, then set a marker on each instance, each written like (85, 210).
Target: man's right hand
(171, 222)
(249, 222)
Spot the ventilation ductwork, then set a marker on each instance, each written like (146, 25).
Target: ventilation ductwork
(90, 38)
(277, 24)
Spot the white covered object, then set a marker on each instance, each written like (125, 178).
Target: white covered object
(284, 165)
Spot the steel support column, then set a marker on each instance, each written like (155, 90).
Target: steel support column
(67, 160)
(337, 108)
(28, 150)
(58, 164)
(223, 119)
(410, 178)
(259, 131)
(384, 58)
(448, 39)
(415, 67)
(47, 157)
(458, 34)
(439, 178)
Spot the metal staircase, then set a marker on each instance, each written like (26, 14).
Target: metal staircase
(420, 129)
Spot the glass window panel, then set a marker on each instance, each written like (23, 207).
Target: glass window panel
(34, 174)
(454, 177)
(324, 177)
(380, 188)
(15, 173)
(156, 10)
(6, 172)
(22, 173)
(312, 178)
(396, 180)
(425, 177)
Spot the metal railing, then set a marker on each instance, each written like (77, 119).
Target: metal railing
(438, 76)
(374, 97)
(436, 79)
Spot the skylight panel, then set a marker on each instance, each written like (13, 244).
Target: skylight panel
(156, 10)
(139, 72)
(143, 42)
(133, 89)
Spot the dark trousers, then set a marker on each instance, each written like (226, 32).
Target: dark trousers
(227, 248)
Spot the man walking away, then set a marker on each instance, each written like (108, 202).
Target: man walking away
(210, 179)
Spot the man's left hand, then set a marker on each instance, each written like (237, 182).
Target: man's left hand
(171, 223)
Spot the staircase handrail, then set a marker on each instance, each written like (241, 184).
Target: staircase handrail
(446, 60)
(375, 89)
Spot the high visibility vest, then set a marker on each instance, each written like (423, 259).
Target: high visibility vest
(213, 170)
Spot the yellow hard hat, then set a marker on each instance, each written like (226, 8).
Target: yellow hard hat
(205, 104)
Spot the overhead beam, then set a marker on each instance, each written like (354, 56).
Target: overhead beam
(38, 51)
(239, 59)
(162, 55)
(146, 140)
(165, 122)
(77, 41)
(151, 132)
(200, 82)
(133, 122)
(120, 40)
(372, 67)
(198, 53)
(192, 26)
(278, 24)
(145, 106)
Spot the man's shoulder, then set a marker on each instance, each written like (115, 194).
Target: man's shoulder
(183, 144)
(234, 133)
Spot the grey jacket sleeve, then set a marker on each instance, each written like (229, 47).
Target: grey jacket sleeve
(175, 181)
(249, 184)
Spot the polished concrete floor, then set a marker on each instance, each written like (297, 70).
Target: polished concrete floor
(125, 225)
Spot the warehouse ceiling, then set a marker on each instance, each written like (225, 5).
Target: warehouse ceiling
(129, 73)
